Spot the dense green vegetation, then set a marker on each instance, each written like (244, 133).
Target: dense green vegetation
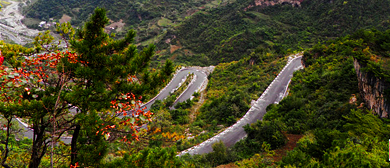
(376, 60)
(337, 132)
(132, 12)
(324, 106)
(150, 19)
(230, 30)
(208, 32)
(227, 33)
(234, 85)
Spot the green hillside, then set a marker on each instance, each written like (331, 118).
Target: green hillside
(229, 32)
(324, 109)
(132, 12)
(195, 32)
(338, 130)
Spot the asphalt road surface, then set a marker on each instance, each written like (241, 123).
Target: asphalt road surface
(199, 76)
(29, 133)
(274, 93)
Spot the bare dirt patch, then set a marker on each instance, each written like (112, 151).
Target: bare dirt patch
(191, 12)
(291, 144)
(174, 56)
(174, 48)
(65, 18)
(279, 153)
(188, 52)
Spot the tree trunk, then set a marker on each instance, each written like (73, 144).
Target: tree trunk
(73, 145)
(39, 147)
(4, 159)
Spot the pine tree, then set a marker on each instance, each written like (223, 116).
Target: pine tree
(105, 69)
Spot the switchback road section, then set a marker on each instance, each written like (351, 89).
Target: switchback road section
(273, 94)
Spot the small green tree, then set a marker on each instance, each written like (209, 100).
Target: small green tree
(266, 131)
(219, 154)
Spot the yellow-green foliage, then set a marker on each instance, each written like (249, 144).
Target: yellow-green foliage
(164, 22)
(13, 53)
(258, 160)
(370, 153)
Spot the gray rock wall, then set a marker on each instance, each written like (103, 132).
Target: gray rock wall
(372, 90)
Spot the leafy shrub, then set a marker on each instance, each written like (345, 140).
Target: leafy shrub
(184, 105)
(296, 158)
(179, 116)
(266, 131)
(220, 154)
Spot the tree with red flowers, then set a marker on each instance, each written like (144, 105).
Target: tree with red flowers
(81, 92)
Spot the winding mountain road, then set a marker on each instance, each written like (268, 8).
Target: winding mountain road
(199, 76)
(273, 94)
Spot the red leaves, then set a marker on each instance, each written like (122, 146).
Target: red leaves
(127, 104)
(1, 60)
(34, 70)
(75, 165)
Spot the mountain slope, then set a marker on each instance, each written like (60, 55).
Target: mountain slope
(229, 32)
(209, 32)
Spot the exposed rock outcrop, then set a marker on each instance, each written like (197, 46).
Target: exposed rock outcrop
(372, 90)
(274, 2)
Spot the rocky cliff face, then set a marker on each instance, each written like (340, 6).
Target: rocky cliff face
(372, 91)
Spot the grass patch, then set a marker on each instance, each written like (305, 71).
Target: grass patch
(213, 3)
(164, 22)
(154, 39)
(260, 15)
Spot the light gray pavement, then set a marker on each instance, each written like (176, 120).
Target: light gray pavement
(29, 133)
(199, 78)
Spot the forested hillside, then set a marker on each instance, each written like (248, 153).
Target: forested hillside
(324, 109)
(229, 32)
(324, 105)
(208, 32)
(132, 12)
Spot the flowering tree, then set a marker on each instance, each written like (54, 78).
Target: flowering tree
(100, 77)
